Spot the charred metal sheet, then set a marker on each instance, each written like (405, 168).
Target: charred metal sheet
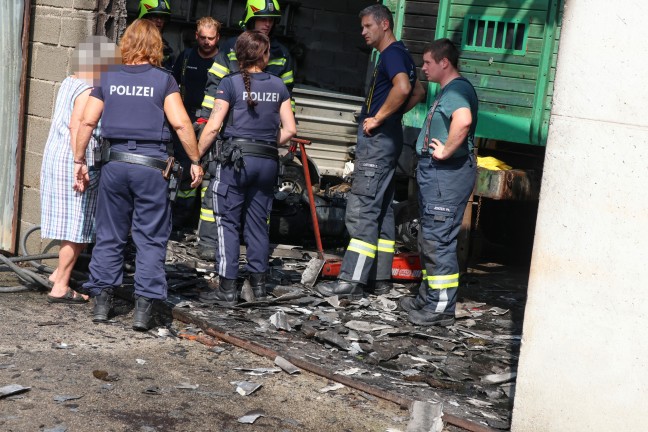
(519, 185)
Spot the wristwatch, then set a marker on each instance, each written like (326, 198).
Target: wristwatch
(195, 162)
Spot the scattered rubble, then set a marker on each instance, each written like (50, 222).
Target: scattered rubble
(12, 389)
(371, 340)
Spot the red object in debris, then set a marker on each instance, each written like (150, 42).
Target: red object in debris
(406, 266)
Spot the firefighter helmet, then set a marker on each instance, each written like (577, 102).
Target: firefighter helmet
(260, 8)
(158, 7)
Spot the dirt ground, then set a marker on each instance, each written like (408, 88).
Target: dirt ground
(153, 382)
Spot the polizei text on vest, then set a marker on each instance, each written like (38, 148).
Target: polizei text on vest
(261, 97)
(122, 90)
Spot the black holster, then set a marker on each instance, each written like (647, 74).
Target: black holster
(175, 176)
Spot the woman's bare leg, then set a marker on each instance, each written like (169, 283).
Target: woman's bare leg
(68, 254)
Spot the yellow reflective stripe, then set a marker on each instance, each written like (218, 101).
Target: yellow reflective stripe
(277, 62)
(202, 192)
(208, 102)
(363, 248)
(231, 55)
(207, 215)
(189, 193)
(388, 246)
(287, 78)
(219, 70)
(443, 281)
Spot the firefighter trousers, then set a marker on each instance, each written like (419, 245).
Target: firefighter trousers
(207, 229)
(444, 191)
(369, 213)
(183, 210)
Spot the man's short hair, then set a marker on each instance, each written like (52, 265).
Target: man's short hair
(379, 13)
(443, 48)
(208, 22)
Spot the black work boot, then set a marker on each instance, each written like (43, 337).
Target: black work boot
(258, 284)
(142, 314)
(415, 303)
(225, 294)
(380, 287)
(102, 305)
(342, 289)
(426, 317)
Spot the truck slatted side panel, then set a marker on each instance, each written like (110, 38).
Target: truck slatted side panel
(504, 54)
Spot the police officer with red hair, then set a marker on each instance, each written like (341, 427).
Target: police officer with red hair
(133, 193)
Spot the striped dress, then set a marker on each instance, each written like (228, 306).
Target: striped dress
(65, 213)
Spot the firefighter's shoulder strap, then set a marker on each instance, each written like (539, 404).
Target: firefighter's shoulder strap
(185, 60)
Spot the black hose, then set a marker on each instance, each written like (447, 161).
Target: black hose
(14, 289)
(24, 274)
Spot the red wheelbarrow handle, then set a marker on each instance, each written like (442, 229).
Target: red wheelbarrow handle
(309, 188)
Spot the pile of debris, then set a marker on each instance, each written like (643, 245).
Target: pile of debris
(469, 367)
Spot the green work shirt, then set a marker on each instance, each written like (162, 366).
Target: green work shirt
(458, 93)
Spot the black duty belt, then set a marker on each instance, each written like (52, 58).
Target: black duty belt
(254, 147)
(138, 160)
(254, 141)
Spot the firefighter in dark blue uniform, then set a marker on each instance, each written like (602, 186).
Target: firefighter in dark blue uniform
(369, 216)
(190, 72)
(259, 117)
(446, 176)
(260, 15)
(133, 193)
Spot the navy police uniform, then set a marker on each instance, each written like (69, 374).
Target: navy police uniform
(190, 72)
(279, 65)
(244, 181)
(133, 198)
(444, 190)
(369, 214)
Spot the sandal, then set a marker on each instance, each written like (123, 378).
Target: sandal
(70, 297)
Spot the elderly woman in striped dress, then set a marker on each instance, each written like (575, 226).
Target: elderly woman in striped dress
(66, 214)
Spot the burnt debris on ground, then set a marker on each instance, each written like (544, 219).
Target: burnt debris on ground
(470, 367)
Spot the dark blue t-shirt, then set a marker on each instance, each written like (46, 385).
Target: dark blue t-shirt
(393, 60)
(133, 97)
(190, 72)
(262, 122)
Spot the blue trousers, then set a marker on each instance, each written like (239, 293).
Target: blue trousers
(132, 198)
(444, 191)
(244, 197)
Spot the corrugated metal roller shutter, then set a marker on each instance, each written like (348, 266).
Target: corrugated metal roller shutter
(327, 119)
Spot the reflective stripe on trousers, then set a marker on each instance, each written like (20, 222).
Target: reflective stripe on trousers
(444, 191)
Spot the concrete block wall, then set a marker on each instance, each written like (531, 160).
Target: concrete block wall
(57, 26)
(336, 54)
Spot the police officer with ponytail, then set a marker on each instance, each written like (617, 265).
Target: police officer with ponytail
(133, 188)
(254, 109)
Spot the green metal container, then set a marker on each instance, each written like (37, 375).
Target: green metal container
(508, 51)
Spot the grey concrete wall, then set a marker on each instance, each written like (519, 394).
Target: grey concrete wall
(57, 26)
(584, 356)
